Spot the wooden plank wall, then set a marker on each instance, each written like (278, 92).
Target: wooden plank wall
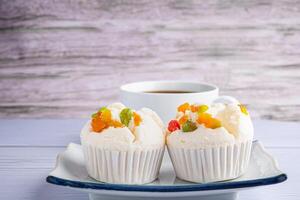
(65, 58)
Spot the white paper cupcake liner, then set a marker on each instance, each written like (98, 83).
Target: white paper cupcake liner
(211, 164)
(125, 167)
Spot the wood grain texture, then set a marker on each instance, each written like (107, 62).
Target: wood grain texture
(65, 58)
(23, 173)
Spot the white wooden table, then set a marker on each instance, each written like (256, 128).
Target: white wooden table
(28, 149)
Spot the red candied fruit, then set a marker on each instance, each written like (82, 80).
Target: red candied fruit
(173, 125)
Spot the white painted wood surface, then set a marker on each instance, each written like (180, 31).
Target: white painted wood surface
(28, 149)
(66, 58)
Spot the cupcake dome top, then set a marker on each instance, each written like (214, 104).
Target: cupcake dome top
(121, 128)
(200, 125)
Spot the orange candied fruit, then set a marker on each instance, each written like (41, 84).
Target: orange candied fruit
(183, 119)
(98, 125)
(243, 109)
(183, 107)
(203, 118)
(194, 108)
(137, 119)
(208, 121)
(213, 123)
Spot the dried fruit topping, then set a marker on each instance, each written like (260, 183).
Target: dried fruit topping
(94, 115)
(189, 126)
(243, 109)
(98, 125)
(173, 125)
(202, 109)
(183, 119)
(97, 114)
(125, 116)
(116, 124)
(199, 108)
(183, 107)
(101, 119)
(137, 119)
(194, 108)
(203, 118)
(213, 123)
(208, 121)
(105, 116)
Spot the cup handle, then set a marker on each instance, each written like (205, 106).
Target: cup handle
(226, 100)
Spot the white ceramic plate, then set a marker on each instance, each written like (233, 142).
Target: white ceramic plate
(70, 172)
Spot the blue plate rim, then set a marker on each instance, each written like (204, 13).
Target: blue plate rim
(167, 188)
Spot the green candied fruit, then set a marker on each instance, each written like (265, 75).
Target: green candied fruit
(125, 116)
(189, 126)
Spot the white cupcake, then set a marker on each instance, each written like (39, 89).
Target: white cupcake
(210, 143)
(122, 145)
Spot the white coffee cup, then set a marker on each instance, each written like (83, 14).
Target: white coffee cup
(158, 96)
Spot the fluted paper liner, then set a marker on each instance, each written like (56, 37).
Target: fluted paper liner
(211, 164)
(126, 167)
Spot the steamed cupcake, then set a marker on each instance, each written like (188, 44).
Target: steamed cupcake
(122, 145)
(209, 143)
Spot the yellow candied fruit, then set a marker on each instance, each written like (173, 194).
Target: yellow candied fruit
(183, 119)
(202, 109)
(183, 107)
(116, 124)
(208, 121)
(106, 116)
(243, 109)
(137, 119)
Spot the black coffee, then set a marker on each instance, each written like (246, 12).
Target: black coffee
(169, 91)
